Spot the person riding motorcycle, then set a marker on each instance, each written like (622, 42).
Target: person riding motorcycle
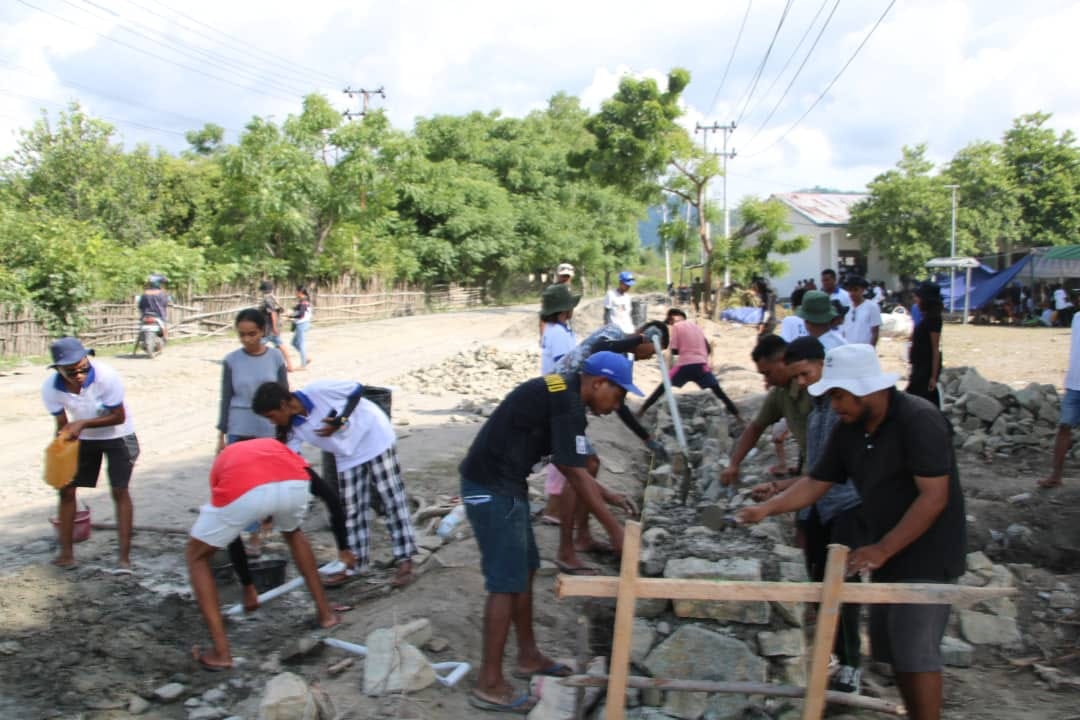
(154, 303)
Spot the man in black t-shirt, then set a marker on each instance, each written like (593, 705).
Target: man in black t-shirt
(541, 417)
(897, 449)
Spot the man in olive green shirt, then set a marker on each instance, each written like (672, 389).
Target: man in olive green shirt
(786, 400)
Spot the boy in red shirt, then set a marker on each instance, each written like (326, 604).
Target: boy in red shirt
(690, 354)
(250, 481)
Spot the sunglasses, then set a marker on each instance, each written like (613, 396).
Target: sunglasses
(71, 371)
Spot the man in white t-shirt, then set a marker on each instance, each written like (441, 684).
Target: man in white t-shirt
(862, 322)
(834, 291)
(334, 416)
(87, 401)
(617, 303)
(1070, 411)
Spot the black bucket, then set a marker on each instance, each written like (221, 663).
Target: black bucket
(639, 311)
(379, 395)
(267, 574)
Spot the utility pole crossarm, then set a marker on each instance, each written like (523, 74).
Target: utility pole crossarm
(365, 97)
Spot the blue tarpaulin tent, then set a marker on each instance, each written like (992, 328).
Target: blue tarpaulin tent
(985, 283)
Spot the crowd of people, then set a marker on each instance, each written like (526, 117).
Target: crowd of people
(875, 469)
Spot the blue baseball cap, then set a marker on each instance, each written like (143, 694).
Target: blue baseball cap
(67, 351)
(614, 367)
(627, 278)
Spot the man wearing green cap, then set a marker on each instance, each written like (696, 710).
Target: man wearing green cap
(818, 313)
(556, 308)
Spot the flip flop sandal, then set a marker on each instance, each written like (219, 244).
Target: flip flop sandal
(339, 579)
(586, 570)
(555, 669)
(521, 705)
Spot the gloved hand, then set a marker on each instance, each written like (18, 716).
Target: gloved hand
(658, 451)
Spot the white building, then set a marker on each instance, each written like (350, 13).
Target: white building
(823, 217)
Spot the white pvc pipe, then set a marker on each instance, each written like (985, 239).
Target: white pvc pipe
(276, 591)
(673, 406)
(457, 670)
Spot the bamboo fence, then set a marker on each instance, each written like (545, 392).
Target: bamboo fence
(114, 324)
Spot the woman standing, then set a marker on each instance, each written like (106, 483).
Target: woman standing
(926, 344)
(301, 317)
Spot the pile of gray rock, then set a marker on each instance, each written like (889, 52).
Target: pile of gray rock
(746, 641)
(992, 417)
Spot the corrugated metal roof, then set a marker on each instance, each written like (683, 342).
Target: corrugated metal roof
(822, 208)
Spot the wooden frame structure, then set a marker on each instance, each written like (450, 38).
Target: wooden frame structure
(830, 593)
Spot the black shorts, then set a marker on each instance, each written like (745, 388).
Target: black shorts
(908, 637)
(122, 453)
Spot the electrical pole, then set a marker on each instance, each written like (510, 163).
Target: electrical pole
(727, 129)
(952, 253)
(365, 97)
(667, 243)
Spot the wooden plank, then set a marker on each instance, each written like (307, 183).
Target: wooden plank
(862, 593)
(624, 622)
(825, 633)
(738, 688)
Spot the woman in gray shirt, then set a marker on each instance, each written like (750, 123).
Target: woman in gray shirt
(242, 371)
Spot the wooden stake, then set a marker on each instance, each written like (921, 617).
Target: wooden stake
(738, 688)
(583, 664)
(825, 632)
(624, 622)
(141, 528)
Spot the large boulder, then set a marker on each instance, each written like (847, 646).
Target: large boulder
(683, 654)
(394, 666)
(288, 697)
(753, 613)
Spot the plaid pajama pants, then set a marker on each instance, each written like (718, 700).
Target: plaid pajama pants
(384, 474)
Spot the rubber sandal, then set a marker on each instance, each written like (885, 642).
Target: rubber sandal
(521, 705)
(586, 570)
(555, 669)
(338, 579)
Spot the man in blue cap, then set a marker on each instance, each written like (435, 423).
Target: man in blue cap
(87, 400)
(617, 305)
(543, 416)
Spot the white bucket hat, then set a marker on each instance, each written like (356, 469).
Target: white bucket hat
(565, 269)
(854, 368)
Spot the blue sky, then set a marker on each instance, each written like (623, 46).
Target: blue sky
(944, 72)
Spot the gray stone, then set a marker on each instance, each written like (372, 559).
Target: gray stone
(983, 407)
(1030, 397)
(999, 391)
(999, 427)
(1018, 533)
(415, 632)
(1062, 600)
(651, 607)
(437, 644)
(983, 629)
(37, 547)
(783, 643)
(214, 695)
(793, 572)
(393, 666)
(754, 613)
(287, 697)
(768, 530)
(169, 692)
(973, 382)
(642, 640)
(682, 656)
(655, 536)
(786, 552)
(654, 494)
(971, 423)
(956, 653)
(794, 671)
(977, 562)
(793, 613)
(975, 443)
(10, 647)
(686, 705)
(207, 712)
(137, 706)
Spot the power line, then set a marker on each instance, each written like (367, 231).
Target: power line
(791, 56)
(796, 75)
(764, 60)
(271, 60)
(113, 98)
(153, 55)
(731, 57)
(194, 53)
(119, 121)
(329, 78)
(831, 83)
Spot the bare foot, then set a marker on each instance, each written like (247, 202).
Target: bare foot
(251, 598)
(332, 620)
(210, 660)
(64, 561)
(403, 576)
(1050, 482)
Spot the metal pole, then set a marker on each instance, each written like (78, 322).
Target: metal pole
(727, 212)
(967, 295)
(667, 244)
(952, 253)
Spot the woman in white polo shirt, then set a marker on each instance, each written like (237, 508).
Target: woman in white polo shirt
(87, 400)
(333, 416)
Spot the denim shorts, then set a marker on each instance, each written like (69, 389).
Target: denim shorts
(503, 530)
(1070, 408)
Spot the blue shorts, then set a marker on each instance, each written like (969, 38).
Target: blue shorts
(1070, 408)
(503, 530)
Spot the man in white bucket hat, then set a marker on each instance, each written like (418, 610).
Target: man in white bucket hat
(897, 449)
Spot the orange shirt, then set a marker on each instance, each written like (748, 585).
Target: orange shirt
(249, 464)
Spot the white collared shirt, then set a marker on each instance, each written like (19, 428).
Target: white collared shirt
(101, 393)
(367, 434)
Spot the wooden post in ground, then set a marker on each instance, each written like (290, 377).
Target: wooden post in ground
(825, 632)
(625, 605)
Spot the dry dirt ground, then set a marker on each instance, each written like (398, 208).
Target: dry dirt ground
(81, 643)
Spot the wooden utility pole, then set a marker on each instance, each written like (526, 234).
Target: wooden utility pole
(365, 98)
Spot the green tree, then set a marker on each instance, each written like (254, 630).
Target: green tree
(766, 222)
(907, 214)
(988, 207)
(1045, 170)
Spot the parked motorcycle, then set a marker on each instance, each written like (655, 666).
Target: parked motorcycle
(151, 338)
